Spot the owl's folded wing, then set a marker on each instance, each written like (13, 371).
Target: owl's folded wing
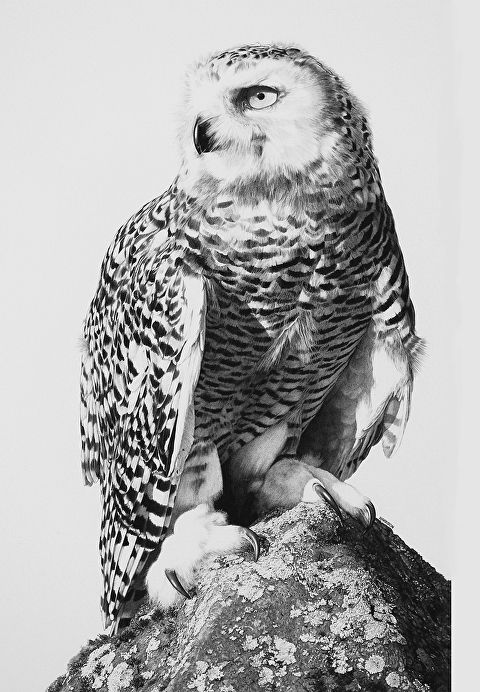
(144, 340)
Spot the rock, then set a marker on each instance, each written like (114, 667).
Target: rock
(325, 608)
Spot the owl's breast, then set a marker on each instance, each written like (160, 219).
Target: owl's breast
(257, 254)
(273, 270)
(285, 309)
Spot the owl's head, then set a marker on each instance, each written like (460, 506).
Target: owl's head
(257, 110)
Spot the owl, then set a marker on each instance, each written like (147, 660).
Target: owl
(252, 335)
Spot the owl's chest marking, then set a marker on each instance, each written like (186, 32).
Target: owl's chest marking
(276, 274)
(281, 301)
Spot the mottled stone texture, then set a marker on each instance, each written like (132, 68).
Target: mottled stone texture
(325, 608)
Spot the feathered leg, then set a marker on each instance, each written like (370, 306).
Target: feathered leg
(197, 530)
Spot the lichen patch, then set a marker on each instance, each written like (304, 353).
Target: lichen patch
(285, 654)
(295, 612)
(265, 676)
(340, 661)
(98, 666)
(205, 674)
(315, 616)
(277, 568)
(393, 680)
(374, 664)
(250, 643)
(120, 678)
(251, 591)
(93, 660)
(152, 645)
(307, 637)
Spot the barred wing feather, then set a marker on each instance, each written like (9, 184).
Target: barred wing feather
(144, 340)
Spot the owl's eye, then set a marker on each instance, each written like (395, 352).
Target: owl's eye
(260, 97)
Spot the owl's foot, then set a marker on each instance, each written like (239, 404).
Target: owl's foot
(177, 584)
(248, 534)
(320, 491)
(197, 533)
(290, 481)
(351, 501)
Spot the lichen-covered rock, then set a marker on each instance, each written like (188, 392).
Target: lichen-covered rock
(325, 608)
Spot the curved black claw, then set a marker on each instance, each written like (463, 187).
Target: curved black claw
(373, 516)
(253, 539)
(176, 583)
(325, 495)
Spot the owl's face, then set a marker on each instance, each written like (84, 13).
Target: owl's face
(261, 115)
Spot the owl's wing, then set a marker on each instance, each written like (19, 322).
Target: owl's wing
(144, 338)
(370, 401)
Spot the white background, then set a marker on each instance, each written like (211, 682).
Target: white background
(90, 96)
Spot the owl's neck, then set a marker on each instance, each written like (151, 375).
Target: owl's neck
(322, 187)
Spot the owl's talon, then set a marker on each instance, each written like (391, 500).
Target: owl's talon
(373, 516)
(176, 583)
(254, 541)
(325, 495)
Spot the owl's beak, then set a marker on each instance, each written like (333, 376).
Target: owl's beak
(203, 137)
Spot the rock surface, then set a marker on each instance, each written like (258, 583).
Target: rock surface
(325, 608)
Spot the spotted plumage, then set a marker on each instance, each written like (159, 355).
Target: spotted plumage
(253, 326)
